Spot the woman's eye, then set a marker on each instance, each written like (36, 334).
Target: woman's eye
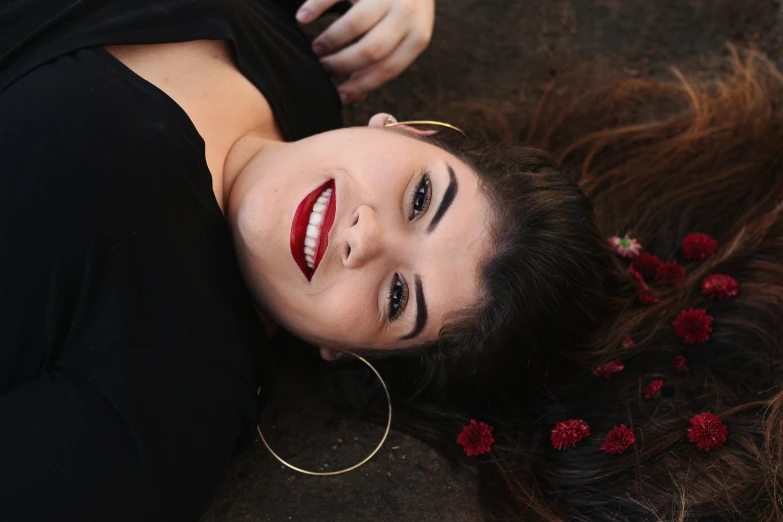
(421, 197)
(398, 296)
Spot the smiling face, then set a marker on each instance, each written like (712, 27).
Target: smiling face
(361, 237)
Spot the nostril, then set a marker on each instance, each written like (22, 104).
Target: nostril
(355, 219)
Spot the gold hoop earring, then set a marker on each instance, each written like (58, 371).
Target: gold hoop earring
(346, 470)
(426, 122)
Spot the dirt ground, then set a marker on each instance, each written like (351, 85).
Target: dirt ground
(499, 53)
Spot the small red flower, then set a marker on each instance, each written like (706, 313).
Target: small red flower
(698, 247)
(618, 440)
(645, 296)
(625, 246)
(679, 363)
(568, 433)
(670, 274)
(627, 343)
(693, 326)
(719, 286)
(475, 438)
(653, 390)
(707, 431)
(608, 369)
(646, 264)
(636, 276)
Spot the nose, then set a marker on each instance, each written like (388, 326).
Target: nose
(363, 239)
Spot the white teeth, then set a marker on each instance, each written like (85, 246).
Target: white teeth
(316, 218)
(313, 233)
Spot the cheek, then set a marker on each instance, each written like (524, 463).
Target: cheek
(346, 313)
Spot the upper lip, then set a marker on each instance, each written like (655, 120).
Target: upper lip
(299, 228)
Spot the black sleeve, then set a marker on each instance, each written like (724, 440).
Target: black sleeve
(141, 435)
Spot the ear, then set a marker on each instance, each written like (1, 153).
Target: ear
(381, 119)
(328, 354)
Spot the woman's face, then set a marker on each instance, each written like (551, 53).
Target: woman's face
(360, 237)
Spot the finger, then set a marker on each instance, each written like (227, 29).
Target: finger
(312, 9)
(358, 20)
(372, 48)
(379, 73)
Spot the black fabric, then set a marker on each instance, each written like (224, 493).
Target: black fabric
(129, 347)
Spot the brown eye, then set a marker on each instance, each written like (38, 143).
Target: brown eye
(398, 296)
(420, 199)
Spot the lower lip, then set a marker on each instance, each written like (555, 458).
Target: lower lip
(299, 228)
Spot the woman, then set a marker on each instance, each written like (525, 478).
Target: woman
(158, 157)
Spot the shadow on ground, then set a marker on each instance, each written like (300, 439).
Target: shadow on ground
(500, 53)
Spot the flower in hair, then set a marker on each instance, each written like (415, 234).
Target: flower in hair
(567, 433)
(719, 286)
(653, 390)
(627, 343)
(618, 440)
(646, 265)
(475, 438)
(608, 369)
(636, 276)
(669, 274)
(625, 246)
(698, 247)
(707, 431)
(645, 296)
(679, 363)
(693, 325)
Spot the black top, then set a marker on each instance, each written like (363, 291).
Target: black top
(129, 346)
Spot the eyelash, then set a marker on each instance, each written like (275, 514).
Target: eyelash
(426, 184)
(397, 283)
(395, 308)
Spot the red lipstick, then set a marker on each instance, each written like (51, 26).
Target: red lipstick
(300, 224)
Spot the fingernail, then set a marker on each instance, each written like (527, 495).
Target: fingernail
(303, 16)
(319, 49)
(343, 98)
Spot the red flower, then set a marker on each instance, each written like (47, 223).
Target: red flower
(653, 390)
(693, 326)
(568, 433)
(698, 247)
(625, 246)
(679, 363)
(646, 264)
(636, 276)
(608, 369)
(645, 296)
(618, 440)
(476, 438)
(670, 274)
(627, 343)
(707, 431)
(719, 286)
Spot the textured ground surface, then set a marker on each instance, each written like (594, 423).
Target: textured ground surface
(501, 53)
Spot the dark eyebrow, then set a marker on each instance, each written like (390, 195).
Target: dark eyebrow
(421, 312)
(446, 200)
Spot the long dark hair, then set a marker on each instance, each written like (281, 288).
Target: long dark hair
(659, 160)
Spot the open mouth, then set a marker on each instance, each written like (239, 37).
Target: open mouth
(310, 228)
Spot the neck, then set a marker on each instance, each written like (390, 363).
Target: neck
(244, 150)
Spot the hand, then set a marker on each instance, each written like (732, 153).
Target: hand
(390, 33)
